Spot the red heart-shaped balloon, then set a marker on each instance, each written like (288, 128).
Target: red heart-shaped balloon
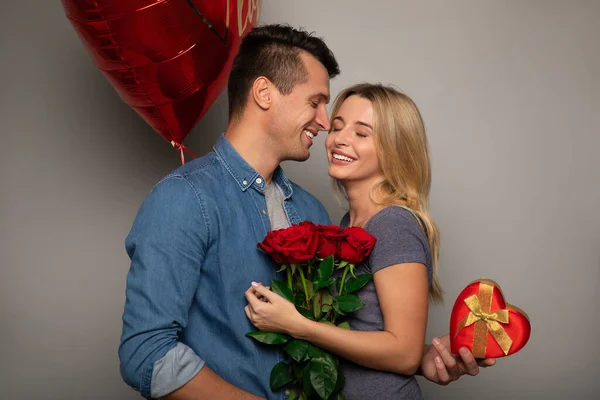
(484, 323)
(168, 59)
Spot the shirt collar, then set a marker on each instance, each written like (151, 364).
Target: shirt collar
(244, 175)
(283, 182)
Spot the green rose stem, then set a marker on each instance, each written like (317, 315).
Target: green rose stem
(305, 288)
(289, 277)
(346, 269)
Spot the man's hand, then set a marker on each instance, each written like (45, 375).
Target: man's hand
(440, 366)
(208, 385)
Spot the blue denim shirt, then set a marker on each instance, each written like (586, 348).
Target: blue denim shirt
(193, 250)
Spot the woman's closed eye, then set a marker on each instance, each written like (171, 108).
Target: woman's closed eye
(336, 127)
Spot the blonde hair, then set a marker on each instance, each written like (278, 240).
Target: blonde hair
(402, 150)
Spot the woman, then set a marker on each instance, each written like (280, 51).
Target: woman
(378, 157)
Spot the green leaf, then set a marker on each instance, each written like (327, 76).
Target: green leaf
(314, 351)
(282, 268)
(297, 369)
(280, 375)
(268, 337)
(348, 303)
(299, 299)
(344, 325)
(309, 287)
(342, 264)
(282, 289)
(331, 358)
(316, 303)
(325, 269)
(339, 385)
(326, 298)
(354, 284)
(326, 308)
(328, 282)
(297, 349)
(293, 394)
(323, 376)
(352, 270)
(307, 388)
(305, 312)
(337, 309)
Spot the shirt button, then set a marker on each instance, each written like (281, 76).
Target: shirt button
(244, 182)
(258, 180)
(264, 212)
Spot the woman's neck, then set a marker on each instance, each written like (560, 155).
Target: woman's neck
(362, 207)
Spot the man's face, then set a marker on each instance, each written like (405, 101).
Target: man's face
(300, 115)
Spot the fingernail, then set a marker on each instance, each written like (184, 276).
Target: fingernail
(436, 341)
(438, 360)
(255, 284)
(464, 351)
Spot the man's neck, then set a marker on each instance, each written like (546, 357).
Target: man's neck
(255, 147)
(362, 207)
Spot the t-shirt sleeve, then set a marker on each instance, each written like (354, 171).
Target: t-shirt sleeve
(400, 239)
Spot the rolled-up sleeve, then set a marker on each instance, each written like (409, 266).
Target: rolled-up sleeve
(166, 245)
(174, 370)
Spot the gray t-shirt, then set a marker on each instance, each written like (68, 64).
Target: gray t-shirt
(400, 239)
(277, 216)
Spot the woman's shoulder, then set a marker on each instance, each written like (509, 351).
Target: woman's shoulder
(394, 218)
(345, 220)
(400, 239)
(391, 219)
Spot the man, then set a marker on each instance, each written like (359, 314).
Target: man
(193, 244)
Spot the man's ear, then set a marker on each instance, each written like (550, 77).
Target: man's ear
(262, 92)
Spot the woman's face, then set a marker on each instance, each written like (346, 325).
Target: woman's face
(350, 144)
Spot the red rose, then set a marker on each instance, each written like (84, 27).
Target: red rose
(292, 245)
(356, 246)
(330, 237)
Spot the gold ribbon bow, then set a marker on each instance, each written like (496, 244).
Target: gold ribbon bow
(485, 321)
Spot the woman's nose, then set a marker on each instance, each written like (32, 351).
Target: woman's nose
(341, 138)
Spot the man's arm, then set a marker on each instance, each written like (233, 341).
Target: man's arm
(440, 366)
(208, 385)
(167, 245)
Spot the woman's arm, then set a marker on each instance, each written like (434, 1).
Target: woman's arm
(402, 291)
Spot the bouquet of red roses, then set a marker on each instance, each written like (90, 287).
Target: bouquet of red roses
(309, 254)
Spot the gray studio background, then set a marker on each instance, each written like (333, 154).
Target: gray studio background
(509, 91)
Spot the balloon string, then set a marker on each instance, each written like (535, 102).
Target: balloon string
(182, 148)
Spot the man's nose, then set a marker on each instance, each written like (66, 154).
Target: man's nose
(323, 119)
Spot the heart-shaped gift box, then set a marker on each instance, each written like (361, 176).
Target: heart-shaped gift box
(483, 322)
